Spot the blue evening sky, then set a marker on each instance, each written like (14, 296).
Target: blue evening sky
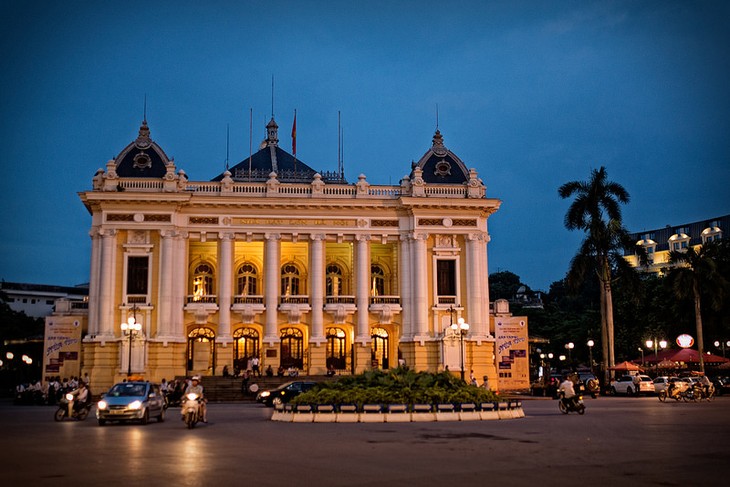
(530, 93)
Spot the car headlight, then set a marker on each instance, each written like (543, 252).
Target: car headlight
(265, 394)
(135, 404)
(101, 405)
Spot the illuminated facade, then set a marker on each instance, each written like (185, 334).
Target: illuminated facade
(658, 243)
(274, 260)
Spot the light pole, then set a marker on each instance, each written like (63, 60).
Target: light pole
(131, 328)
(642, 355)
(656, 343)
(462, 328)
(569, 347)
(590, 352)
(719, 344)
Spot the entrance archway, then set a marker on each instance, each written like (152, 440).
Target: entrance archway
(201, 349)
(381, 346)
(336, 349)
(292, 348)
(245, 346)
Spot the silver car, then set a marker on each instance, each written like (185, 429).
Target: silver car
(131, 401)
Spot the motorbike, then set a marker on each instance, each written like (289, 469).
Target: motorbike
(66, 409)
(191, 410)
(699, 392)
(574, 404)
(671, 392)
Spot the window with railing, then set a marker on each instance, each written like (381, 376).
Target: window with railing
(334, 282)
(290, 280)
(202, 283)
(247, 284)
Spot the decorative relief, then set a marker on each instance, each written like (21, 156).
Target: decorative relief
(383, 223)
(430, 222)
(293, 222)
(157, 218)
(137, 237)
(465, 223)
(200, 220)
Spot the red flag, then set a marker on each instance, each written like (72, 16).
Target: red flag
(294, 135)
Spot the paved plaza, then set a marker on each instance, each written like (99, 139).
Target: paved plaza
(632, 441)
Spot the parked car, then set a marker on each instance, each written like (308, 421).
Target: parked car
(589, 383)
(284, 393)
(722, 385)
(131, 401)
(626, 385)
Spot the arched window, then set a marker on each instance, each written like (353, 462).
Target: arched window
(247, 284)
(245, 346)
(289, 280)
(201, 350)
(203, 279)
(334, 280)
(377, 287)
(292, 348)
(381, 344)
(336, 348)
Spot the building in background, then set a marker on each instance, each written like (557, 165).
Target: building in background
(38, 300)
(274, 260)
(658, 243)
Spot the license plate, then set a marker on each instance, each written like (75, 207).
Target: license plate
(117, 411)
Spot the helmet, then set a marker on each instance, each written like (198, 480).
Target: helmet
(196, 377)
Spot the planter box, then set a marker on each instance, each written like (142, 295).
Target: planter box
(446, 412)
(468, 412)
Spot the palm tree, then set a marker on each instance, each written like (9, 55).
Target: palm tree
(596, 210)
(697, 271)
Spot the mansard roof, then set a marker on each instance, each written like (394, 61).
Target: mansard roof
(142, 158)
(440, 165)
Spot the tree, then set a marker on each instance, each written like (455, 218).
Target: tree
(697, 272)
(596, 210)
(503, 285)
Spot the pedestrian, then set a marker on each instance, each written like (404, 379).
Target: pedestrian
(244, 382)
(255, 366)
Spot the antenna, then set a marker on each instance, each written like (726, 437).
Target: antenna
(272, 96)
(437, 116)
(228, 139)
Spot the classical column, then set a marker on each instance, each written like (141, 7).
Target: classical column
(316, 270)
(94, 282)
(405, 285)
(179, 286)
(473, 297)
(106, 287)
(420, 287)
(484, 273)
(272, 271)
(225, 285)
(164, 311)
(362, 280)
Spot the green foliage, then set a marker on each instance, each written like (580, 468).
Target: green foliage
(396, 386)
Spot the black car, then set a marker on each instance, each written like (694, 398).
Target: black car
(722, 385)
(284, 393)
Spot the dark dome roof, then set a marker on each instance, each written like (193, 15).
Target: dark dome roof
(440, 165)
(143, 158)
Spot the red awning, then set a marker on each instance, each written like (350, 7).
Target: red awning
(684, 355)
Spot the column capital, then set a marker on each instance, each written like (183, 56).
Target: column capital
(362, 238)
(317, 237)
(108, 232)
(226, 236)
(272, 236)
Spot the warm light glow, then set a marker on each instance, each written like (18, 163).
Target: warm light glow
(9, 356)
(542, 356)
(663, 344)
(570, 346)
(717, 344)
(685, 341)
(591, 343)
(550, 355)
(130, 321)
(562, 357)
(650, 344)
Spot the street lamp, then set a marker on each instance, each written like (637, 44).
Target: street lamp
(642, 355)
(590, 352)
(462, 328)
(569, 346)
(130, 329)
(656, 343)
(719, 344)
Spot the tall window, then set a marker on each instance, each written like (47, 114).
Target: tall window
(334, 280)
(336, 348)
(137, 275)
(247, 280)
(381, 344)
(446, 277)
(201, 349)
(246, 346)
(289, 280)
(202, 281)
(377, 286)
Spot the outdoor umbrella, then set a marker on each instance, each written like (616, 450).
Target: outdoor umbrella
(626, 366)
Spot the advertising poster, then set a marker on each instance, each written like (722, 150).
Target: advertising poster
(62, 348)
(513, 367)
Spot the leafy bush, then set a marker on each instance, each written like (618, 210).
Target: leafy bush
(397, 386)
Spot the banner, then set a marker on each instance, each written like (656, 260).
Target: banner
(62, 348)
(513, 366)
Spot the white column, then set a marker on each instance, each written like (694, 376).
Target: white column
(473, 295)
(405, 285)
(164, 311)
(179, 286)
(94, 282)
(225, 285)
(420, 287)
(362, 283)
(272, 271)
(106, 288)
(484, 272)
(316, 272)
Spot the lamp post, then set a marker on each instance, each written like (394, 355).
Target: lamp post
(131, 328)
(642, 355)
(721, 345)
(569, 347)
(462, 328)
(656, 343)
(590, 344)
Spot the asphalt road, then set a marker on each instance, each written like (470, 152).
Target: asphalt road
(618, 442)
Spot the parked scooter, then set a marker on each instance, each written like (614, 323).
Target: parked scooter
(574, 404)
(191, 409)
(671, 392)
(66, 409)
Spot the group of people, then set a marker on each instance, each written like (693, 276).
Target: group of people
(49, 392)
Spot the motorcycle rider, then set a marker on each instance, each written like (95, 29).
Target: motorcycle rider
(568, 391)
(196, 388)
(81, 398)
